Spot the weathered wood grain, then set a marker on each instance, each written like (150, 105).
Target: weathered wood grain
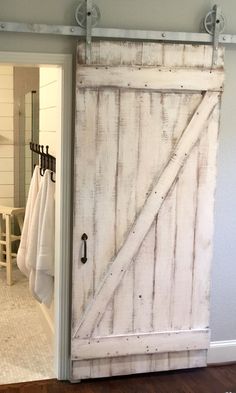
(164, 262)
(125, 203)
(150, 78)
(119, 265)
(146, 127)
(105, 193)
(204, 223)
(84, 203)
(139, 344)
(83, 214)
(125, 214)
(149, 140)
(184, 250)
(150, 53)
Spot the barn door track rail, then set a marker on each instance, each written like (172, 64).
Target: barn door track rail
(87, 15)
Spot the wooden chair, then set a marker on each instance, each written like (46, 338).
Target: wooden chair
(7, 237)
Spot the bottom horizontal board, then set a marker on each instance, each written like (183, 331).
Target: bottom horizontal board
(101, 368)
(139, 344)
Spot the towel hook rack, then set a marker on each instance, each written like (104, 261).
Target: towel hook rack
(47, 161)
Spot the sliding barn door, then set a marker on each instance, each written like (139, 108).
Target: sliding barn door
(147, 118)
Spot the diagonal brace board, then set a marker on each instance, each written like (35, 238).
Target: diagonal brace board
(119, 265)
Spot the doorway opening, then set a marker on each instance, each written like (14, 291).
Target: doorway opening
(35, 106)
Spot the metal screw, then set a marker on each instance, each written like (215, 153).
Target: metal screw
(163, 34)
(3, 26)
(72, 30)
(224, 38)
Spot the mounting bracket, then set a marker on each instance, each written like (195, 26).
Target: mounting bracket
(87, 15)
(88, 30)
(216, 35)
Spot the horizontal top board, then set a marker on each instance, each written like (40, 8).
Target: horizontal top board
(151, 78)
(115, 53)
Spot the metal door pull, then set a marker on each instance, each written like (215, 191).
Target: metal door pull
(84, 238)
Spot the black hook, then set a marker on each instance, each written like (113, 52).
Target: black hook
(52, 178)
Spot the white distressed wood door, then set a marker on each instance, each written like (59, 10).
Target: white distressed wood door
(147, 119)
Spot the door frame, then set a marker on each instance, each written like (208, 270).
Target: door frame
(63, 202)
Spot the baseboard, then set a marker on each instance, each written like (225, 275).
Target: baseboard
(222, 352)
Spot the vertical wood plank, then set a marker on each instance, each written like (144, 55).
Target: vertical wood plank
(184, 249)
(149, 142)
(125, 213)
(197, 56)
(110, 56)
(165, 230)
(176, 113)
(201, 56)
(152, 54)
(84, 199)
(143, 284)
(164, 263)
(173, 55)
(185, 218)
(197, 358)
(204, 233)
(148, 146)
(178, 360)
(184, 253)
(105, 183)
(125, 203)
(131, 53)
(159, 362)
(105, 203)
(204, 223)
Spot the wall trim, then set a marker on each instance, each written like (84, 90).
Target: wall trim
(63, 202)
(222, 352)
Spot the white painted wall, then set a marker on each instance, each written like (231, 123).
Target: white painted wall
(181, 15)
(6, 137)
(49, 106)
(49, 125)
(28, 131)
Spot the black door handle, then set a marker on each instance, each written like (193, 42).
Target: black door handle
(84, 238)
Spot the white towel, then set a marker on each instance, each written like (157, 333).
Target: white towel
(40, 255)
(26, 230)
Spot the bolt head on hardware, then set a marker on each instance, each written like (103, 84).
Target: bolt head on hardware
(163, 34)
(3, 26)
